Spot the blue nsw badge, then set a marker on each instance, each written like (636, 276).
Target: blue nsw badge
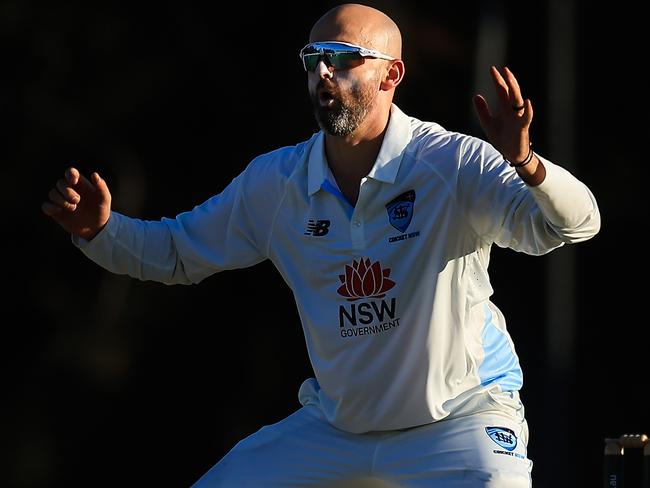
(400, 210)
(502, 436)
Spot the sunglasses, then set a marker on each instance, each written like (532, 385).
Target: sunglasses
(339, 55)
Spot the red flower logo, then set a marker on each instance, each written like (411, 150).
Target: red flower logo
(365, 280)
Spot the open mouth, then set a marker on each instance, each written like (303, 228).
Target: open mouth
(325, 98)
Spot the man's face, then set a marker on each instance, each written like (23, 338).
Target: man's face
(342, 101)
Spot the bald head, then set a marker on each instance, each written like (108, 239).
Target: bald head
(361, 25)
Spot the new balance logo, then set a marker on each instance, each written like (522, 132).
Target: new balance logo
(317, 228)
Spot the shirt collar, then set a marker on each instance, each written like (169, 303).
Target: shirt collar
(398, 135)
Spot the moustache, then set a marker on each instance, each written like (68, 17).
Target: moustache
(328, 86)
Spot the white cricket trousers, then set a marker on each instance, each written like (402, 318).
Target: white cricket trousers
(486, 449)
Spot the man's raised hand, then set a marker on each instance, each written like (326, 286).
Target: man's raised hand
(507, 124)
(79, 205)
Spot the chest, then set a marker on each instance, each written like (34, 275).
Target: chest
(316, 237)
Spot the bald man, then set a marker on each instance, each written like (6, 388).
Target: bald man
(381, 225)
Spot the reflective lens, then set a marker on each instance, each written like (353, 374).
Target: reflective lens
(337, 59)
(338, 54)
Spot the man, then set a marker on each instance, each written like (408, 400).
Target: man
(381, 225)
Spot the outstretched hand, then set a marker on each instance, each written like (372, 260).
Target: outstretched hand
(81, 206)
(507, 127)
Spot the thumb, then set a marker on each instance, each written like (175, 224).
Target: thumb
(482, 110)
(528, 112)
(100, 185)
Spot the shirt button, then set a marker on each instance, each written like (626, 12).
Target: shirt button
(356, 223)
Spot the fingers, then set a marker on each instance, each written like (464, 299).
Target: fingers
(57, 199)
(50, 209)
(72, 175)
(508, 90)
(514, 91)
(78, 181)
(67, 192)
(62, 196)
(500, 86)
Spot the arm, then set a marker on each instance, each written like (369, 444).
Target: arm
(503, 209)
(532, 208)
(214, 236)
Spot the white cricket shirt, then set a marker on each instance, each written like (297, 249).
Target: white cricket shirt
(393, 293)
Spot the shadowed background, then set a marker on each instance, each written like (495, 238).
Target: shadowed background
(109, 381)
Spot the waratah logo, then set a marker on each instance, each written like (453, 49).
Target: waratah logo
(365, 280)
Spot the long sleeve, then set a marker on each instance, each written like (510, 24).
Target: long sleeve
(222, 233)
(568, 205)
(504, 210)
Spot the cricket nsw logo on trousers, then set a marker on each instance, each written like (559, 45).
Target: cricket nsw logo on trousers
(504, 438)
(366, 283)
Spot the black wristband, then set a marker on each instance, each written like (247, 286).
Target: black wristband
(528, 159)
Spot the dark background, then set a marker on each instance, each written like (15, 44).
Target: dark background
(109, 381)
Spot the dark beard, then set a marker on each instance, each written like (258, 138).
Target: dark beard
(346, 114)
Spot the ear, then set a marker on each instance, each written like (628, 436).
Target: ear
(393, 76)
